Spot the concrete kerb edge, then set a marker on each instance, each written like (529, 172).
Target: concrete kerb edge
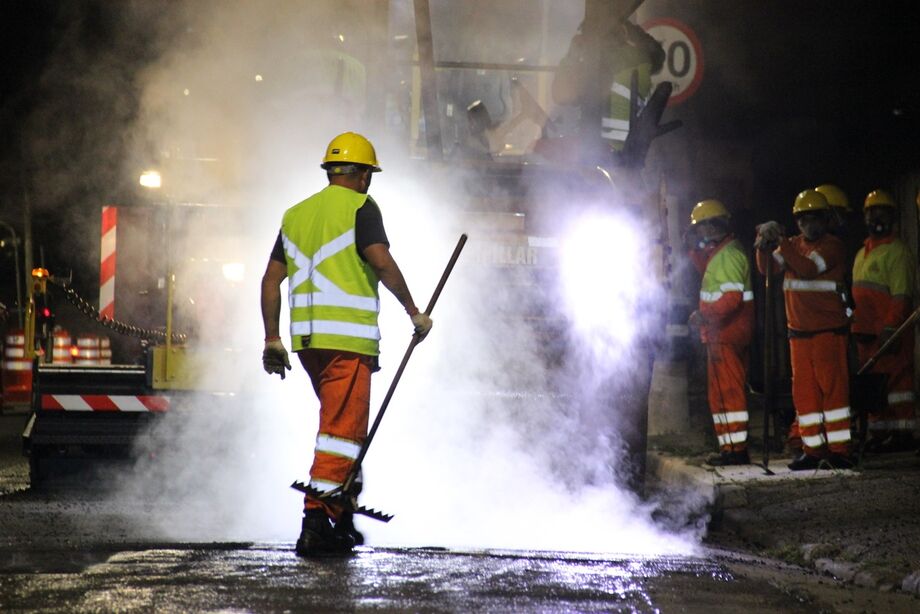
(669, 472)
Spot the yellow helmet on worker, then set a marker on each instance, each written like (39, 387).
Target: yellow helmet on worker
(350, 148)
(707, 210)
(879, 198)
(808, 201)
(834, 195)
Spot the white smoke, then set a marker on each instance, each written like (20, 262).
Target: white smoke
(487, 443)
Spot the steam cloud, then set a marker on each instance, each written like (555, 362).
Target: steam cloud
(486, 443)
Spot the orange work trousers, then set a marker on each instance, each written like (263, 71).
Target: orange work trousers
(342, 382)
(898, 366)
(726, 368)
(821, 392)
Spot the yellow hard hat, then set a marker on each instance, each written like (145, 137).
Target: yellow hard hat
(879, 198)
(809, 200)
(708, 209)
(350, 148)
(834, 195)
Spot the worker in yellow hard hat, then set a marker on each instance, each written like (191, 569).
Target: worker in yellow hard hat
(333, 249)
(838, 201)
(884, 291)
(725, 318)
(813, 264)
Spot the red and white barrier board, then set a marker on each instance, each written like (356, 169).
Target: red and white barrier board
(104, 402)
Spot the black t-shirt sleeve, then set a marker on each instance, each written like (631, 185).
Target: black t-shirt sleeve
(278, 250)
(369, 226)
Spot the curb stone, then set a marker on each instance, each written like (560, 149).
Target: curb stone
(840, 570)
(911, 584)
(727, 497)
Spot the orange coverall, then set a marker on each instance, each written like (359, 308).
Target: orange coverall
(813, 288)
(883, 289)
(342, 381)
(728, 321)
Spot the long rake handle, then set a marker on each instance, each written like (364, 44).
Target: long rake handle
(909, 321)
(768, 353)
(402, 366)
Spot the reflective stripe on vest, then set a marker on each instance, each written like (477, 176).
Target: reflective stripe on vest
(727, 271)
(615, 123)
(330, 295)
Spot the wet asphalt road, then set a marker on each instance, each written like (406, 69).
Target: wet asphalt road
(70, 550)
(269, 578)
(74, 551)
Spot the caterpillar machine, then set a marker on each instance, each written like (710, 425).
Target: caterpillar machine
(526, 166)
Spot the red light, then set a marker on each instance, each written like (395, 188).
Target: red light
(46, 312)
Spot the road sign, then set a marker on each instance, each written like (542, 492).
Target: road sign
(683, 65)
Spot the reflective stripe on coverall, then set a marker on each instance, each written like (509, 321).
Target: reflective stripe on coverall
(727, 307)
(817, 320)
(820, 391)
(883, 289)
(334, 306)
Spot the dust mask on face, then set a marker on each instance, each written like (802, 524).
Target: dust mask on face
(880, 228)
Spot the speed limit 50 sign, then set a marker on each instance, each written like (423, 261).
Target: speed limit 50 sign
(683, 65)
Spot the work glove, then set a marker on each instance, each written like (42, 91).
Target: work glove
(275, 358)
(422, 325)
(769, 234)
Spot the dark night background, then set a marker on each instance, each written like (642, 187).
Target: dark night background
(809, 92)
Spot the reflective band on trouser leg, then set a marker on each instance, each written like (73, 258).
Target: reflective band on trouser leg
(806, 396)
(726, 368)
(899, 415)
(829, 357)
(837, 428)
(342, 381)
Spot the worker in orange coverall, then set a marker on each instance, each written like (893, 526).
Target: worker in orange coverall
(333, 249)
(726, 321)
(840, 213)
(884, 289)
(814, 264)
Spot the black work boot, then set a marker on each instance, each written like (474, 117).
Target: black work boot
(318, 538)
(840, 461)
(346, 526)
(727, 458)
(805, 462)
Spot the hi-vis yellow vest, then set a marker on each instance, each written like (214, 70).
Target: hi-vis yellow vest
(332, 292)
(615, 122)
